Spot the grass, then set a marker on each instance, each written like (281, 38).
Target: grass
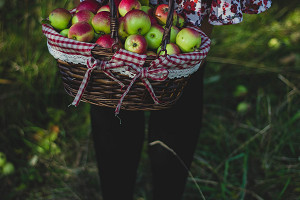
(246, 153)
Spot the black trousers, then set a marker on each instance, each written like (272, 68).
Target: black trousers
(118, 146)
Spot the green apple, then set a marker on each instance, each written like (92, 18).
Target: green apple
(180, 21)
(2, 159)
(188, 40)
(121, 31)
(137, 22)
(144, 2)
(154, 36)
(171, 49)
(65, 32)
(60, 18)
(173, 33)
(8, 168)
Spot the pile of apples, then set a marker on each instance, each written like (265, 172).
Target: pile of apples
(140, 30)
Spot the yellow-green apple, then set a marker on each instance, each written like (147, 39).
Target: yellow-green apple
(101, 22)
(81, 31)
(136, 44)
(83, 16)
(137, 22)
(171, 48)
(121, 31)
(161, 14)
(105, 41)
(147, 9)
(154, 36)
(91, 5)
(144, 2)
(104, 8)
(127, 5)
(180, 21)
(188, 40)
(65, 32)
(8, 168)
(2, 159)
(173, 34)
(60, 18)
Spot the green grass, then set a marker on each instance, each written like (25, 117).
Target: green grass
(251, 153)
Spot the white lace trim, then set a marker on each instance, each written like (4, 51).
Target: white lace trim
(77, 59)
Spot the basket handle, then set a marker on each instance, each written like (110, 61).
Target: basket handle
(167, 31)
(114, 25)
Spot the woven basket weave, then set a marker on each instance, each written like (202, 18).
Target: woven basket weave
(103, 91)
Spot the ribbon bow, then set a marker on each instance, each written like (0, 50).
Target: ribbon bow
(157, 74)
(144, 73)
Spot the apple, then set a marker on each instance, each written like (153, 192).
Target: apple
(101, 22)
(81, 31)
(173, 34)
(121, 31)
(8, 168)
(188, 40)
(2, 159)
(83, 16)
(127, 5)
(144, 2)
(180, 21)
(104, 8)
(153, 20)
(60, 18)
(105, 41)
(64, 32)
(161, 14)
(137, 22)
(147, 9)
(154, 36)
(171, 48)
(150, 53)
(136, 44)
(91, 5)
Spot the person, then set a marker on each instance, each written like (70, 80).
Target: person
(118, 146)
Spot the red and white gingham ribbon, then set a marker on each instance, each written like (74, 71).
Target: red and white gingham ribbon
(157, 74)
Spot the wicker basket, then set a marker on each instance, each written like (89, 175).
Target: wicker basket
(103, 91)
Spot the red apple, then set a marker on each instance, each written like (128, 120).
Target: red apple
(91, 5)
(161, 14)
(81, 31)
(101, 22)
(59, 18)
(105, 41)
(136, 44)
(83, 16)
(188, 40)
(121, 31)
(104, 8)
(127, 5)
(154, 36)
(137, 22)
(171, 49)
